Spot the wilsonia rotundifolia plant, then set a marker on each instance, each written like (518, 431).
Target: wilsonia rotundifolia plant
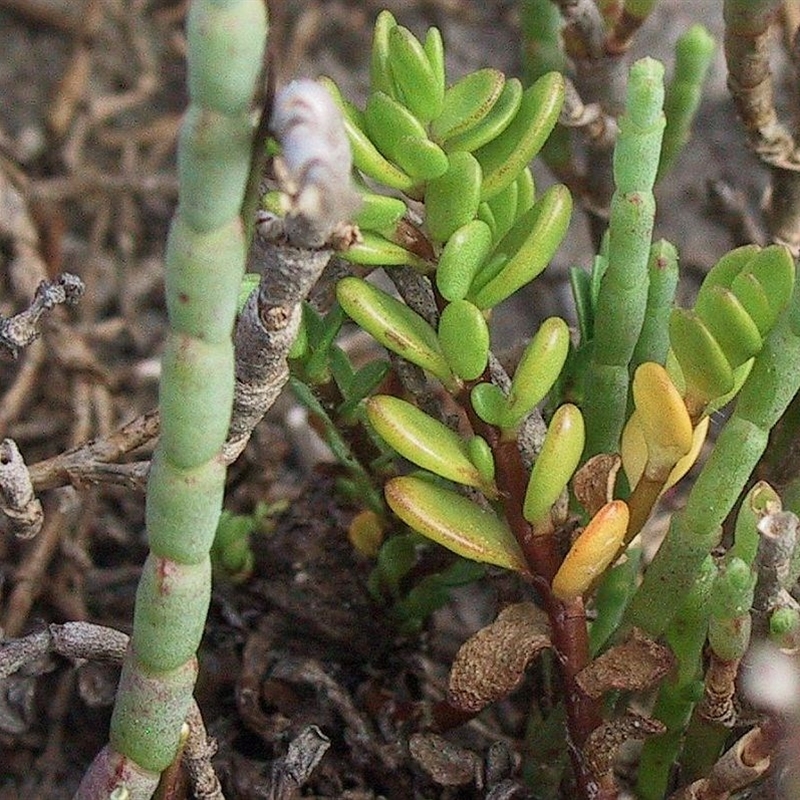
(462, 231)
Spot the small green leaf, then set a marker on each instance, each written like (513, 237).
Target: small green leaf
(581, 285)
(451, 200)
(729, 323)
(774, 269)
(485, 214)
(462, 257)
(556, 463)
(371, 161)
(454, 522)
(538, 369)
(423, 440)
(388, 122)
(528, 248)
(467, 102)
(728, 267)
(504, 209)
(395, 326)
(421, 158)
(420, 87)
(380, 75)
(365, 155)
(489, 403)
(396, 558)
(705, 368)
(464, 337)
(434, 49)
(752, 296)
(503, 158)
(340, 366)
(497, 119)
(526, 191)
(366, 379)
(379, 213)
(376, 251)
(480, 453)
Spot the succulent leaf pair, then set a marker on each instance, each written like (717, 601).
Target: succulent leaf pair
(737, 305)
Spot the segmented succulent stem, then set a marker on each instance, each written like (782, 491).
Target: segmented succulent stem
(693, 53)
(686, 636)
(204, 266)
(622, 300)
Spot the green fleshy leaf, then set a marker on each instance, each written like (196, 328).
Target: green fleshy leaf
(451, 200)
(705, 368)
(366, 156)
(423, 440)
(462, 257)
(388, 122)
(555, 464)
(752, 296)
(420, 87)
(380, 74)
(503, 158)
(379, 213)
(527, 247)
(376, 251)
(504, 209)
(464, 337)
(728, 267)
(729, 323)
(467, 102)
(497, 119)
(395, 326)
(480, 453)
(454, 522)
(774, 269)
(489, 403)
(538, 369)
(421, 158)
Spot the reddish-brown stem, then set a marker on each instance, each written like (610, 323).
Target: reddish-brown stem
(567, 619)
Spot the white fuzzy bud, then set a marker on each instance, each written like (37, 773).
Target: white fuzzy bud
(315, 165)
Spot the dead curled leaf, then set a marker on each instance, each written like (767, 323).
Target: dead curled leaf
(636, 664)
(602, 746)
(492, 663)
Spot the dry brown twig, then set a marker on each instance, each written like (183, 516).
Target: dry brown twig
(751, 84)
(80, 641)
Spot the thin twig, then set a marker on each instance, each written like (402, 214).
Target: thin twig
(91, 182)
(94, 462)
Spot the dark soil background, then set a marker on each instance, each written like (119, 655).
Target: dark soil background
(91, 98)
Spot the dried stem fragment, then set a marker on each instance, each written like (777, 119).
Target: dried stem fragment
(18, 503)
(20, 330)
